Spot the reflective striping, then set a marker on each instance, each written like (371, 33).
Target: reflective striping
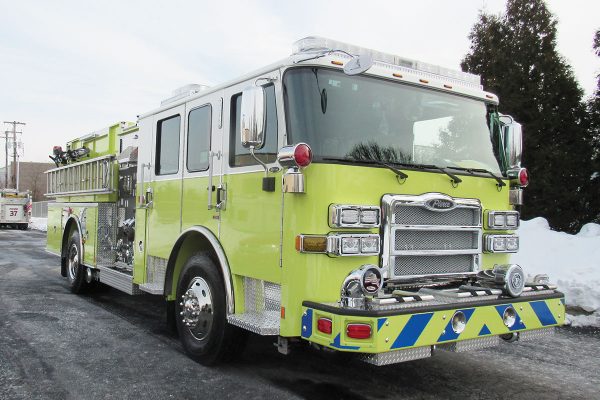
(484, 331)
(519, 324)
(412, 330)
(543, 312)
(307, 318)
(380, 323)
(337, 344)
(449, 333)
(404, 331)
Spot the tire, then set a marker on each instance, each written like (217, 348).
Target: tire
(207, 337)
(75, 270)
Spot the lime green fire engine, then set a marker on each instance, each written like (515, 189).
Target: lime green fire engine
(349, 198)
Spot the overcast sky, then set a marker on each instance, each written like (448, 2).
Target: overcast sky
(68, 68)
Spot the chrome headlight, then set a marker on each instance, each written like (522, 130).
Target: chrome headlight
(500, 243)
(506, 220)
(353, 216)
(353, 244)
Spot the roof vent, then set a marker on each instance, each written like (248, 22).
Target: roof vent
(184, 91)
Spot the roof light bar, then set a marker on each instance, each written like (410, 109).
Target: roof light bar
(317, 44)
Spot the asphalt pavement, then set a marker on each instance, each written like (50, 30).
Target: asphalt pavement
(108, 345)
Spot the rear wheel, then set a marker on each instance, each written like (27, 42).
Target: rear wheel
(75, 270)
(201, 314)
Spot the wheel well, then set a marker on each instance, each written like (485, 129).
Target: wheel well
(190, 242)
(71, 226)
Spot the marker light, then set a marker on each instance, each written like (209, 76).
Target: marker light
(303, 155)
(324, 325)
(358, 331)
(523, 177)
(299, 155)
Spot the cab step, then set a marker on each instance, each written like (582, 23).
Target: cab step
(119, 280)
(262, 300)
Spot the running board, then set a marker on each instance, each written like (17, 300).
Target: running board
(264, 323)
(152, 288)
(118, 280)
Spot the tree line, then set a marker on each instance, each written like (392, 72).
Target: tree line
(515, 54)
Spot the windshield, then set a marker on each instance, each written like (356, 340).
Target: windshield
(365, 118)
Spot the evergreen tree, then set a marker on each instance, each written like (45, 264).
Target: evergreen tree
(594, 126)
(515, 53)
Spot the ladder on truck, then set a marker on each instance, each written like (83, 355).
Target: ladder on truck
(91, 176)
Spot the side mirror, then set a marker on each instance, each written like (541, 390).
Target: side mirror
(253, 117)
(513, 144)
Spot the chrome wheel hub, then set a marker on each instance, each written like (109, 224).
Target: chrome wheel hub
(197, 309)
(73, 262)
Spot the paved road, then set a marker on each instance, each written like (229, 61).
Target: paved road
(56, 345)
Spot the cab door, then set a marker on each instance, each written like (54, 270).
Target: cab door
(250, 216)
(163, 193)
(202, 163)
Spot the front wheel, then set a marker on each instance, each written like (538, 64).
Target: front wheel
(201, 314)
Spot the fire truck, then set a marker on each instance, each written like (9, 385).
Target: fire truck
(15, 208)
(347, 198)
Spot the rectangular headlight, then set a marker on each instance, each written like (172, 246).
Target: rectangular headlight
(500, 243)
(339, 244)
(502, 220)
(349, 216)
(369, 216)
(350, 245)
(353, 216)
(369, 244)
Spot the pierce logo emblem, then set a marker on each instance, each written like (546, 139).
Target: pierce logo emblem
(440, 204)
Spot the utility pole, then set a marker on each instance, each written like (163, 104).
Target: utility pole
(14, 139)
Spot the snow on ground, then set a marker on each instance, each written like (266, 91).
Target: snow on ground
(39, 224)
(571, 261)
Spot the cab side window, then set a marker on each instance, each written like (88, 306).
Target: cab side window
(198, 140)
(240, 156)
(167, 146)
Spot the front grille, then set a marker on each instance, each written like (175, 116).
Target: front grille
(424, 241)
(408, 214)
(426, 265)
(407, 240)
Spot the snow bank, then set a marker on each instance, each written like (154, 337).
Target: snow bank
(39, 224)
(571, 261)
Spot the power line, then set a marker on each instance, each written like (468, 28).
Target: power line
(15, 174)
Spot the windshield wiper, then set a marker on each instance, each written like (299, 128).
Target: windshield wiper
(455, 179)
(398, 173)
(483, 171)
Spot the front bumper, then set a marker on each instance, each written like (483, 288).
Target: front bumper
(415, 330)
